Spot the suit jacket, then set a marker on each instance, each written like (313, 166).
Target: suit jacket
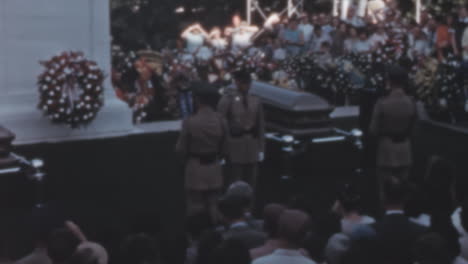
(244, 149)
(247, 235)
(202, 133)
(395, 237)
(394, 114)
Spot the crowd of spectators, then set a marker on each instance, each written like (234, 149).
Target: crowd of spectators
(417, 224)
(333, 57)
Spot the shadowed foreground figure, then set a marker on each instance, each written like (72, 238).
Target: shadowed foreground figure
(202, 142)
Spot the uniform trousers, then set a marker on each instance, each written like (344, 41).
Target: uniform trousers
(203, 200)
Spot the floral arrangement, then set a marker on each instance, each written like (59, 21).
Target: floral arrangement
(71, 89)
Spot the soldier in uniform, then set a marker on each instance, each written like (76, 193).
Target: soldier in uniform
(202, 142)
(246, 141)
(392, 123)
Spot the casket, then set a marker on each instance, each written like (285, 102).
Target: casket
(296, 113)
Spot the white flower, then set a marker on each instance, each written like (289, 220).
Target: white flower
(49, 102)
(89, 86)
(51, 93)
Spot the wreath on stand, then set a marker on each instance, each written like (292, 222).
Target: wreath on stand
(134, 77)
(70, 89)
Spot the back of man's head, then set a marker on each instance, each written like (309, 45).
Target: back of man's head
(243, 76)
(271, 217)
(61, 245)
(395, 192)
(397, 77)
(241, 190)
(293, 226)
(231, 207)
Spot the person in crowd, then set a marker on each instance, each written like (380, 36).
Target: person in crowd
(325, 23)
(353, 19)
(195, 37)
(196, 226)
(339, 37)
(209, 240)
(348, 208)
(231, 251)
(431, 248)
(460, 26)
(293, 225)
(392, 123)
(351, 39)
(246, 130)
(306, 28)
(362, 248)
(318, 39)
(363, 45)
(244, 191)
(271, 216)
(379, 38)
(61, 245)
(336, 248)
(419, 47)
(462, 217)
(202, 143)
(139, 249)
(417, 206)
(241, 39)
(444, 39)
(293, 38)
(464, 44)
(232, 211)
(279, 53)
(395, 233)
(216, 40)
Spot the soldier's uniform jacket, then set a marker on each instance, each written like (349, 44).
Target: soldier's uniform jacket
(246, 127)
(392, 122)
(202, 141)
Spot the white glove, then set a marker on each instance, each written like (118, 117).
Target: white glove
(222, 162)
(261, 157)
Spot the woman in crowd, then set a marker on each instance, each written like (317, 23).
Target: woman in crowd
(351, 40)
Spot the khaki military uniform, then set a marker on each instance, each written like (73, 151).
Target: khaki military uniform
(202, 142)
(246, 139)
(392, 123)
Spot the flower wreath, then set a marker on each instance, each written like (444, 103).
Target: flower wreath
(70, 89)
(132, 78)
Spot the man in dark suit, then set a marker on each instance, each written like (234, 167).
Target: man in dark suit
(246, 139)
(395, 233)
(202, 142)
(232, 211)
(392, 124)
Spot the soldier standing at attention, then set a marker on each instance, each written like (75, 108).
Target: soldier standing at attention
(246, 138)
(392, 124)
(202, 142)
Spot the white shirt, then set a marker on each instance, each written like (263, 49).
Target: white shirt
(348, 226)
(377, 39)
(204, 53)
(219, 43)
(307, 31)
(194, 41)
(423, 220)
(284, 256)
(241, 40)
(317, 41)
(456, 221)
(362, 46)
(279, 54)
